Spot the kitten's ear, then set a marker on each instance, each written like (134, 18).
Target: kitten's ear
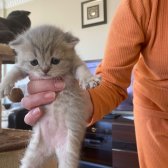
(71, 41)
(17, 42)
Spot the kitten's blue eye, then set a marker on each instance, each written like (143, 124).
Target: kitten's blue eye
(34, 62)
(55, 61)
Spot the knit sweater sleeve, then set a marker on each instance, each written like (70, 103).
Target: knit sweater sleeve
(124, 43)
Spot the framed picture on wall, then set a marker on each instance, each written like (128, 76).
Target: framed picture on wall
(93, 13)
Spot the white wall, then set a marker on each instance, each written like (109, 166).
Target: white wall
(67, 15)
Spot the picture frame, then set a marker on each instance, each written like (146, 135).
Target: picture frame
(93, 12)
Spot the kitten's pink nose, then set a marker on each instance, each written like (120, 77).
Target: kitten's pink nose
(46, 70)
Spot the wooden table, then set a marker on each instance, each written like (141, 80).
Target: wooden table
(12, 147)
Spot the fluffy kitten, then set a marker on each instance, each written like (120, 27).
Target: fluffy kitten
(48, 52)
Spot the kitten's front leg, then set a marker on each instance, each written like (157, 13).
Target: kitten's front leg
(86, 79)
(10, 79)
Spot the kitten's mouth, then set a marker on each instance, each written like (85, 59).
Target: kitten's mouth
(46, 76)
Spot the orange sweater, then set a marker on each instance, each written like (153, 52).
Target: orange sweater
(138, 39)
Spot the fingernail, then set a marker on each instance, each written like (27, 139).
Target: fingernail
(36, 112)
(50, 95)
(32, 116)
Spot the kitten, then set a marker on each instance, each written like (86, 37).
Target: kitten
(48, 52)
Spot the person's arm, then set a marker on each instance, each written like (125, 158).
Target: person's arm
(124, 44)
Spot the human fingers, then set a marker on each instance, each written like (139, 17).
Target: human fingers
(33, 116)
(36, 86)
(38, 99)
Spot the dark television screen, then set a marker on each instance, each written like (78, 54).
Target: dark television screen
(92, 65)
(127, 105)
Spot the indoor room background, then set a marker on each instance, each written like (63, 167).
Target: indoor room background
(67, 15)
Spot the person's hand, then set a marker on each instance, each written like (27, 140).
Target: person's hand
(41, 92)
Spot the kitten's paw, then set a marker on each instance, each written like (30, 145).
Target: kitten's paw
(5, 90)
(91, 82)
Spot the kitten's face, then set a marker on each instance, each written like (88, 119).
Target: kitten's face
(45, 51)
